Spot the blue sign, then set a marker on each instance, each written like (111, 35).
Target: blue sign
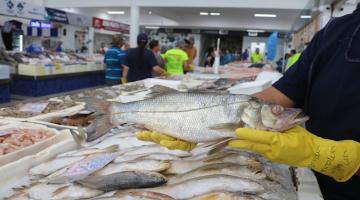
(39, 24)
(272, 46)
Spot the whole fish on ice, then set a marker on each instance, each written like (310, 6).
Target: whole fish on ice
(83, 168)
(194, 116)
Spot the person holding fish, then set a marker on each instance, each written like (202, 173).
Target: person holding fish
(323, 82)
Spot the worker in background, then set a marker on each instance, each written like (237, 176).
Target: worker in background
(58, 47)
(294, 57)
(125, 47)
(176, 59)
(140, 62)
(245, 55)
(257, 57)
(154, 46)
(102, 49)
(325, 83)
(209, 57)
(227, 57)
(114, 60)
(192, 53)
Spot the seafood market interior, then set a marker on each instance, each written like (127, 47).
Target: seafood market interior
(191, 99)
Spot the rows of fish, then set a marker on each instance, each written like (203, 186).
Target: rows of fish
(31, 109)
(118, 166)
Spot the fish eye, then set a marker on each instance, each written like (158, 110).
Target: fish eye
(277, 110)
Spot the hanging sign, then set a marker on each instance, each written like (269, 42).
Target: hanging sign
(57, 15)
(79, 20)
(22, 9)
(110, 25)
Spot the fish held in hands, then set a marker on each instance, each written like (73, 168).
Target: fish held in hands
(195, 116)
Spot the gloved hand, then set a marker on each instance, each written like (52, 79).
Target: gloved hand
(298, 147)
(124, 80)
(165, 141)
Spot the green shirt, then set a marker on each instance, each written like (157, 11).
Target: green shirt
(175, 59)
(293, 59)
(257, 58)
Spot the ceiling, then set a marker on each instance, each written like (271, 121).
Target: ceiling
(235, 14)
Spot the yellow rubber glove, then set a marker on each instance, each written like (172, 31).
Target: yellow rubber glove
(299, 148)
(165, 141)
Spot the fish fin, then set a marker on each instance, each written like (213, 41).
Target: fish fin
(159, 90)
(99, 107)
(226, 126)
(102, 126)
(110, 149)
(102, 114)
(220, 146)
(79, 136)
(60, 190)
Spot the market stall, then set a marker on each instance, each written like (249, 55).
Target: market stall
(4, 84)
(124, 162)
(48, 73)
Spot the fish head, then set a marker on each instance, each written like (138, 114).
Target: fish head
(279, 118)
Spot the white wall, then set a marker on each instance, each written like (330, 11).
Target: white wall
(69, 40)
(247, 40)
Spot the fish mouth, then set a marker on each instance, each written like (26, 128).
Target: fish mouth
(299, 117)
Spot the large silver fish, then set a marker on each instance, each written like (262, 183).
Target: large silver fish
(195, 116)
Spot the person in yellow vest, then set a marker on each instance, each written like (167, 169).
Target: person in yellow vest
(176, 59)
(294, 57)
(257, 57)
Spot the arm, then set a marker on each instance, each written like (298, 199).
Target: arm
(158, 70)
(125, 71)
(273, 95)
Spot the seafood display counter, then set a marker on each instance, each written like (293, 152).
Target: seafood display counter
(4, 90)
(116, 165)
(35, 86)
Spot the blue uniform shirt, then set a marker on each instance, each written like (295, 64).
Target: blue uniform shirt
(140, 63)
(325, 82)
(114, 59)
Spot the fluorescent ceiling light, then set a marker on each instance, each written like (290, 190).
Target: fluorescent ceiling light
(204, 13)
(256, 31)
(305, 16)
(265, 15)
(152, 27)
(215, 14)
(116, 12)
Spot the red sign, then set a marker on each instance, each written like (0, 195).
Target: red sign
(110, 25)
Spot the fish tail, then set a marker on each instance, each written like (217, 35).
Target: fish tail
(220, 146)
(102, 122)
(79, 136)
